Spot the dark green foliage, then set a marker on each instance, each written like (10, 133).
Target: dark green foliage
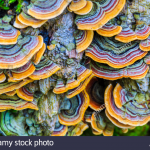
(19, 6)
(138, 131)
(4, 5)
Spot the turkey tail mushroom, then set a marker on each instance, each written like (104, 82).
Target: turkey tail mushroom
(109, 30)
(27, 20)
(138, 70)
(15, 56)
(25, 93)
(21, 73)
(86, 9)
(133, 113)
(72, 110)
(105, 50)
(47, 9)
(8, 34)
(100, 14)
(83, 39)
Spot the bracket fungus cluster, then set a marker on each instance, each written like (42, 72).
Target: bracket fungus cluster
(70, 65)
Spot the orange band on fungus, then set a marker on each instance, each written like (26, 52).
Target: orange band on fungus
(10, 86)
(80, 88)
(96, 132)
(20, 53)
(79, 129)
(83, 39)
(21, 73)
(18, 24)
(60, 87)
(44, 69)
(145, 44)
(77, 5)
(47, 9)
(30, 21)
(72, 83)
(94, 124)
(39, 54)
(11, 93)
(60, 132)
(83, 73)
(14, 102)
(25, 94)
(2, 76)
(116, 122)
(78, 105)
(109, 30)
(105, 50)
(100, 14)
(51, 47)
(86, 9)
(126, 115)
(117, 93)
(136, 71)
(9, 35)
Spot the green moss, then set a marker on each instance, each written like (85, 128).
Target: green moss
(19, 6)
(4, 5)
(138, 131)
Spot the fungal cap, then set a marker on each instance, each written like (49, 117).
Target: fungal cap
(117, 95)
(96, 132)
(80, 88)
(11, 93)
(9, 35)
(30, 21)
(84, 98)
(105, 71)
(79, 129)
(103, 51)
(118, 114)
(93, 104)
(83, 73)
(77, 5)
(142, 31)
(25, 48)
(126, 36)
(25, 94)
(14, 102)
(60, 132)
(109, 30)
(50, 12)
(116, 122)
(86, 9)
(145, 45)
(39, 54)
(72, 83)
(83, 40)
(60, 87)
(10, 86)
(18, 24)
(21, 73)
(94, 124)
(2, 76)
(108, 10)
(51, 47)
(44, 69)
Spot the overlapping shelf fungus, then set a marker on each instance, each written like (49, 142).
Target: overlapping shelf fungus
(70, 65)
